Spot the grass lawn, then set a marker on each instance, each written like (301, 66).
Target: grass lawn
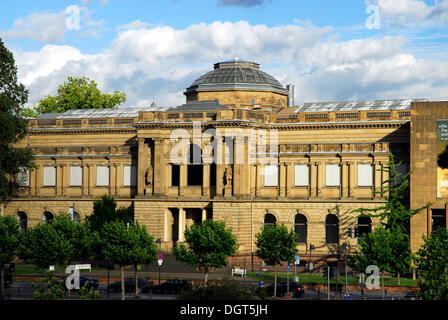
(319, 279)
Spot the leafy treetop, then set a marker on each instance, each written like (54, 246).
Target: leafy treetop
(13, 126)
(77, 93)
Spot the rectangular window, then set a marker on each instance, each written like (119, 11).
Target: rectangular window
(49, 176)
(271, 175)
(403, 170)
(23, 177)
(102, 176)
(301, 175)
(332, 175)
(438, 218)
(213, 175)
(175, 175)
(75, 176)
(195, 174)
(129, 176)
(365, 176)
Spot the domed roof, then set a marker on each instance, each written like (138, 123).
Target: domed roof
(236, 74)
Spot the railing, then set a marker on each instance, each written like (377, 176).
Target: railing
(51, 122)
(378, 114)
(97, 121)
(316, 116)
(72, 122)
(347, 115)
(123, 121)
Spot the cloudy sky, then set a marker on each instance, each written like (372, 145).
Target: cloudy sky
(153, 49)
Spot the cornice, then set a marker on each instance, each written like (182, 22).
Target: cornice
(71, 131)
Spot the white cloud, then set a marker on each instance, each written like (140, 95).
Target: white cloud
(137, 24)
(51, 27)
(401, 13)
(162, 61)
(43, 27)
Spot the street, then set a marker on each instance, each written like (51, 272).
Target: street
(23, 290)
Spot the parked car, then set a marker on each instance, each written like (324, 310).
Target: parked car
(129, 285)
(410, 296)
(172, 286)
(295, 288)
(91, 283)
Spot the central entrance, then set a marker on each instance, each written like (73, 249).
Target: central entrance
(179, 219)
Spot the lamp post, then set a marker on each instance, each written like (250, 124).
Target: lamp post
(346, 295)
(310, 268)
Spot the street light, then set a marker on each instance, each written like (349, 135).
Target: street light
(346, 295)
(310, 267)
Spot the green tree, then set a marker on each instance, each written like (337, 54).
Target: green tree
(144, 251)
(126, 244)
(54, 289)
(375, 248)
(105, 210)
(432, 266)
(59, 242)
(395, 215)
(77, 93)
(209, 244)
(275, 245)
(9, 242)
(13, 126)
(88, 293)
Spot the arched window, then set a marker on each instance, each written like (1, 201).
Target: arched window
(195, 168)
(47, 217)
(300, 227)
(22, 219)
(331, 229)
(269, 220)
(364, 225)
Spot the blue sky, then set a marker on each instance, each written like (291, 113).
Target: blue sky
(154, 49)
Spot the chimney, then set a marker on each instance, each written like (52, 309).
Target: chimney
(290, 88)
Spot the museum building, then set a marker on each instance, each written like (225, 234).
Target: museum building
(239, 151)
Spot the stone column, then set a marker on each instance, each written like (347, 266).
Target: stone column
(182, 178)
(384, 177)
(65, 179)
(115, 179)
(142, 165)
(377, 178)
(314, 180)
(204, 214)
(282, 178)
(289, 179)
(149, 189)
(253, 179)
(33, 181)
(181, 221)
(344, 179)
(109, 185)
(92, 175)
(320, 178)
(246, 167)
(206, 180)
(220, 167)
(352, 180)
(59, 179)
(158, 179)
(85, 179)
(259, 176)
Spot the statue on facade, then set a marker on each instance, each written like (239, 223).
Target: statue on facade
(228, 176)
(148, 176)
